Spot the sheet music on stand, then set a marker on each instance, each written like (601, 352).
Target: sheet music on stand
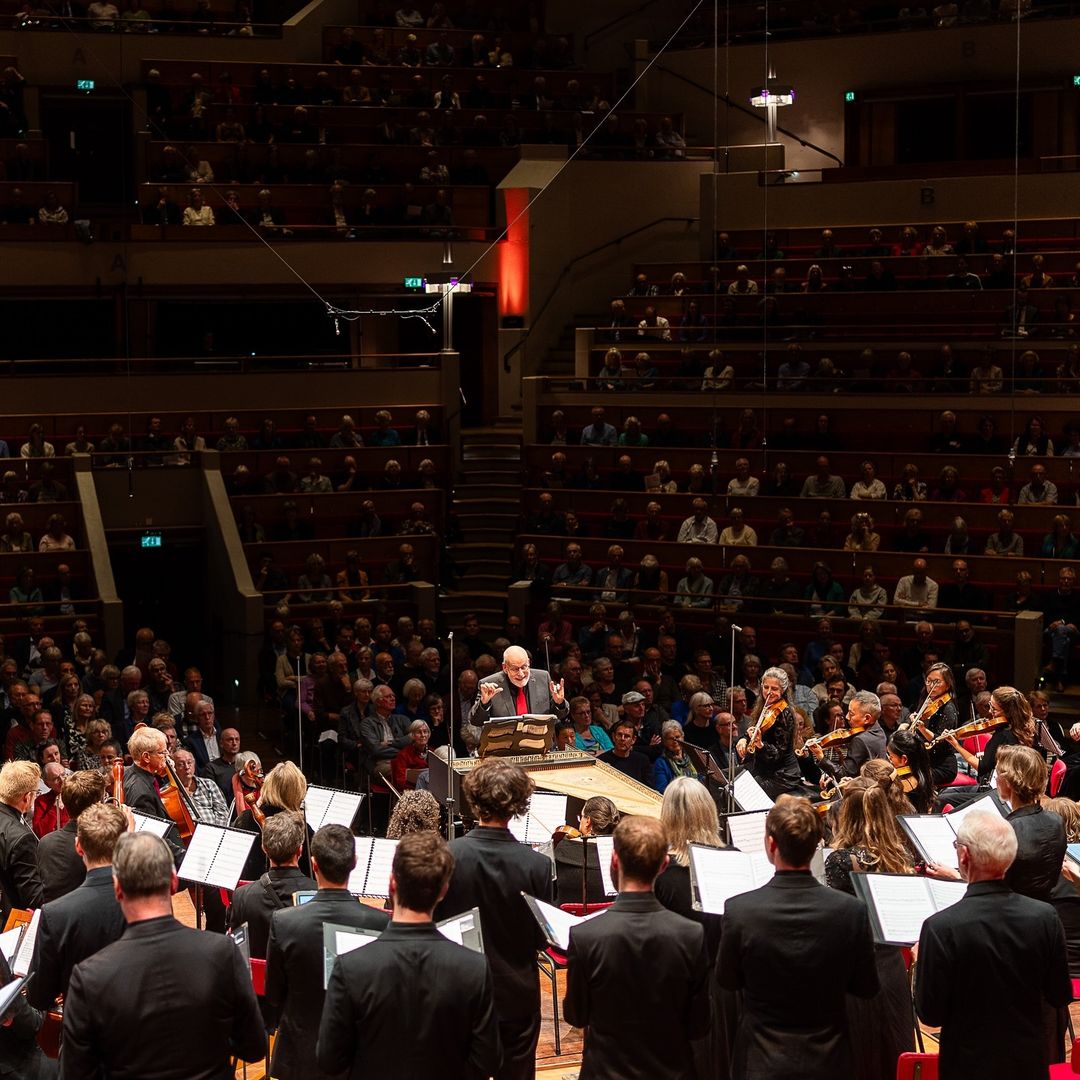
(147, 823)
(747, 830)
(545, 814)
(216, 856)
(530, 733)
(605, 845)
(374, 861)
(899, 904)
(330, 806)
(24, 955)
(749, 794)
(718, 874)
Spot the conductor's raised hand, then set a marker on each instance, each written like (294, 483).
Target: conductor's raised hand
(557, 693)
(488, 691)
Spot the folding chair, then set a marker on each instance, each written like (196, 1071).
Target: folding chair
(1070, 1068)
(1057, 774)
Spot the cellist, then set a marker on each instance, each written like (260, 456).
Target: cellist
(146, 776)
(768, 748)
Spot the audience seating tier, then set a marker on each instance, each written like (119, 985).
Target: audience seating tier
(332, 514)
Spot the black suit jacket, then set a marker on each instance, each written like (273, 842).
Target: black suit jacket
(20, 1056)
(141, 793)
(1040, 851)
(71, 929)
(491, 871)
(197, 746)
(59, 864)
(637, 979)
(294, 975)
(786, 934)
(537, 695)
(253, 903)
(988, 967)
(20, 879)
(120, 1013)
(411, 1004)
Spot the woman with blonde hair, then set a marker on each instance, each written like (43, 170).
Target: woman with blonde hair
(868, 839)
(862, 536)
(283, 789)
(883, 773)
(688, 814)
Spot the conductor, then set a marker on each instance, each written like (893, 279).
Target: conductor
(517, 690)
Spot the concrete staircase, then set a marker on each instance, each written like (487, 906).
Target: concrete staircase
(487, 505)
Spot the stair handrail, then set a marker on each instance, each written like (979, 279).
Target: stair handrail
(561, 277)
(756, 114)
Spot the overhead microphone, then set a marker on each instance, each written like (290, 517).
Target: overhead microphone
(734, 627)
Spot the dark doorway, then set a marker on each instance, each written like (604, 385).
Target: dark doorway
(925, 130)
(89, 139)
(162, 587)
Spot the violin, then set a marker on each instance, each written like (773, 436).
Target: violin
(930, 708)
(967, 731)
(831, 791)
(564, 832)
(908, 780)
(836, 737)
(769, 715)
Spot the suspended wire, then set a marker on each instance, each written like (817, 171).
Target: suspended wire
(1016, 233)
(349, 316)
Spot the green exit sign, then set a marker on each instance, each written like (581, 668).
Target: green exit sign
(1076, 80)
(849, 96)
(414, 283)
(86, 85)
(150, 540)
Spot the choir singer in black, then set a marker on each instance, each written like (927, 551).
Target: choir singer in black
(412, 1003)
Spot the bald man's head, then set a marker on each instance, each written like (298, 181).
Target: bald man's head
(516, 665)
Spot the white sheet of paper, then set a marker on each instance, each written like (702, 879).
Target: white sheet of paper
(324, 806)
(721, 873)
(546, 813)
(145, 823)
(9, 942)
(216, 856)
(945, 893)
(902, 903)
(374, 861)
(985, 804)
(559, 923)
(8, 994)
(936, 837)
(749, 794)
(21, 964)
(605, 845)
(748, 831)
(346, 943)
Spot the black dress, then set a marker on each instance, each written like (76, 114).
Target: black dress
(774, 766)
(882, 1027)
(712, 1056)
(568, 873)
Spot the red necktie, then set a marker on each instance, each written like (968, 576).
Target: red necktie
(522, 703)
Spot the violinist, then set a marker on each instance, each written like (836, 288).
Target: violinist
(908, 754)
(1011, 711)
(866, 742)
(938, 714)
(283, 789)
(767, 750)
(598, 818)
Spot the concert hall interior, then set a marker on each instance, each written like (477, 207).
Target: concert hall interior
(470, 467)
